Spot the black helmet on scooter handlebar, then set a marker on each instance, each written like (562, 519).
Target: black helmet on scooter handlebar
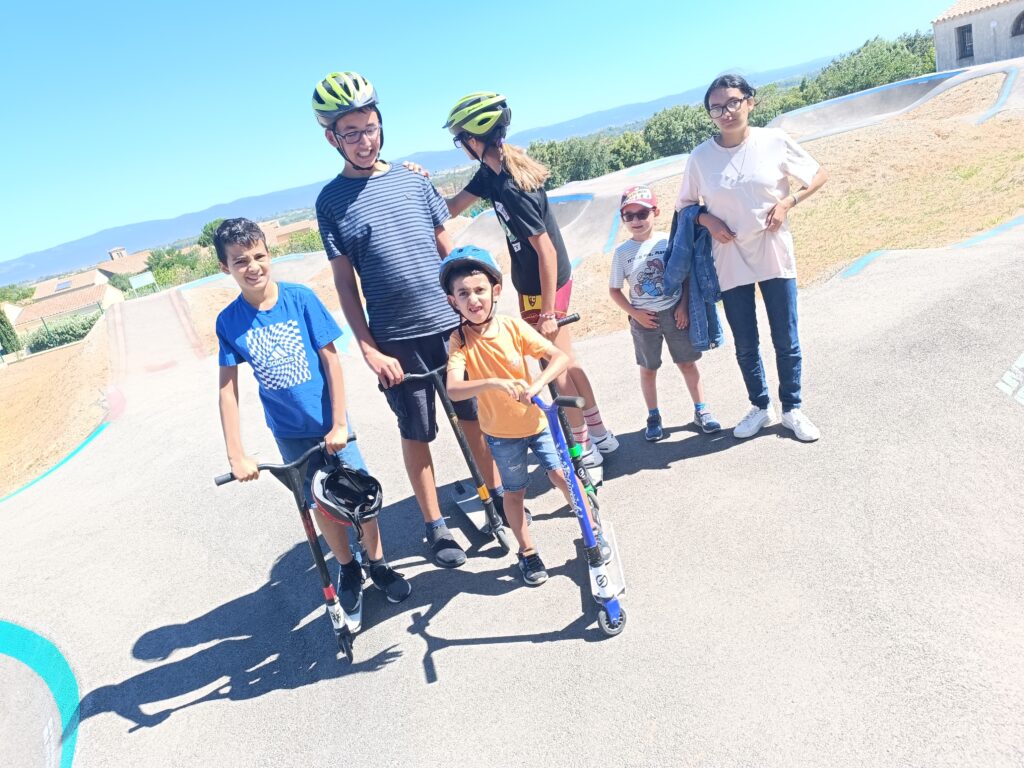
(346, 495)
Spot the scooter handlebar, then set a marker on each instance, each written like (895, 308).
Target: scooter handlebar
(228, 477)
(574, 317)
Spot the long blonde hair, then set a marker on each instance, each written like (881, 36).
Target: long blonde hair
(528, 174)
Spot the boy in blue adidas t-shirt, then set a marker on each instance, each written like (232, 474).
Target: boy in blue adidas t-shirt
(287, 335)
(386, 224)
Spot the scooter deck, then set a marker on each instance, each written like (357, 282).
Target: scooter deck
(353, 622)
(465, 497)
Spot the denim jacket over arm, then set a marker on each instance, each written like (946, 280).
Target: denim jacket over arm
(689, 256)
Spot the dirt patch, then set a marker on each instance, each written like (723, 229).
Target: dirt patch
(51, 402)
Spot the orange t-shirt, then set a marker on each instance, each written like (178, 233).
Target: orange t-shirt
(501, 355)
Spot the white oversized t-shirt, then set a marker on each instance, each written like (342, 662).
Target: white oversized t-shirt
(642, 265)
(739, 185)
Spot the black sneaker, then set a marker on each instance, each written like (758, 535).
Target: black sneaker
(654, 432)
(389, 581)
(447, 552)
(350, 586)
(532, 568)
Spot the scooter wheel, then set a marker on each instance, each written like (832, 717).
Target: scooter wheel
(345, 644)
(604, 622)
(505, 539)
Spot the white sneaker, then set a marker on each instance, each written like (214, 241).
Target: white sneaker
(606, 443)
(753, 421)
(802, 427)
(592, 458)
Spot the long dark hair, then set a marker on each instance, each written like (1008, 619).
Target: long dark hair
(729, 81)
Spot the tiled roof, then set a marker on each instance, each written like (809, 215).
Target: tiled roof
(131, 264)
(81, 280)
(63, 302)
(964, 7)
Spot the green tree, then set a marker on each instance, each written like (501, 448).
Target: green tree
(677, 129)
(629, 149)
(12, 294)
(8, 338)
(772, 101)
(877, 62)
(209, 229)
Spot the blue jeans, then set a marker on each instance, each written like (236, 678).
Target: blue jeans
(779, 296)
(293, 447)
(510, 455)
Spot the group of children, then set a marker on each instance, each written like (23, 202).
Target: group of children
(399, 278)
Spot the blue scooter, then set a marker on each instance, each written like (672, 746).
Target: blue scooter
(605, 585)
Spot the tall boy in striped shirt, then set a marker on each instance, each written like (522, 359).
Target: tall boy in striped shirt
(386, 225)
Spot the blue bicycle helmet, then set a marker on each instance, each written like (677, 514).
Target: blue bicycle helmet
(469, 254)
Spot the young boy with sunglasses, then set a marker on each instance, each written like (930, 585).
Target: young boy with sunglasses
(654, 316)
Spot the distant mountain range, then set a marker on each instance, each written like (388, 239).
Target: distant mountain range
(87, 251)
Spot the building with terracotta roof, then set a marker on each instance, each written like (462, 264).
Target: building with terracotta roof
(973, 32)
(125, 264)
(65, 303)
(56, 285)
(279, 234)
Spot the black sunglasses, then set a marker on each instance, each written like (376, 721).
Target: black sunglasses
(642, 215)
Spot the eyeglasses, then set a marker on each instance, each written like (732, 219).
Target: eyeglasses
(353, 137)
(459, 141)
(732, 106)
(641, 215)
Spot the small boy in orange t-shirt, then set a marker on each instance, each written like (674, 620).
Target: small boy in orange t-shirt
(487, 360)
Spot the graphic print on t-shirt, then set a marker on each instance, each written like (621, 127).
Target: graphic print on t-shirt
(650, 279)
(278, 355)
(503, 219)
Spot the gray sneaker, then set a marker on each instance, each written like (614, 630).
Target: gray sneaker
(532, 568)
(446, 550)
(707, 423)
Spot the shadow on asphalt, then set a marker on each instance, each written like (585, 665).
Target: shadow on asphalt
(260, 642)
(635, 453)
(258, 647)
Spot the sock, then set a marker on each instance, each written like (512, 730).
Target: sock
(592, 416)
(434, 525)
(581, 436)
(700, 407)
(653, 412)
(496, 492)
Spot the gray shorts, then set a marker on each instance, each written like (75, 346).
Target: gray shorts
(647, 342)
(414, 403)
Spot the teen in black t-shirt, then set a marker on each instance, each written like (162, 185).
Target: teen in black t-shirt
(541, 273)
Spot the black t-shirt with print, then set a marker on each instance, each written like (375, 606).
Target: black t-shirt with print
(522, 215)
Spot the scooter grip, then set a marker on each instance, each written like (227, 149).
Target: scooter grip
(574, 317)
(568, 401)
(223, 479)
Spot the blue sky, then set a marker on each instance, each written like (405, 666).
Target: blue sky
(117, 112)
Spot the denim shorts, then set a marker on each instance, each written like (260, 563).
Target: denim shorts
(293, 447)
(510, 455)
(413, 402)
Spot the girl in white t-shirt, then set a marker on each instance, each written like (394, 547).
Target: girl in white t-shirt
(742, 177)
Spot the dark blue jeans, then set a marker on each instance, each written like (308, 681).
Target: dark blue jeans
(779, 297)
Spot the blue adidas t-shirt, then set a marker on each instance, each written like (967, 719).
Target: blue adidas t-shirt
(385, 226)
(282, 344)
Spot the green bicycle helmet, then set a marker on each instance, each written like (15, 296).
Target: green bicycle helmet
(479, 114)
(339, 93)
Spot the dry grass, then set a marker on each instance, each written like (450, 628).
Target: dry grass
(51, 402)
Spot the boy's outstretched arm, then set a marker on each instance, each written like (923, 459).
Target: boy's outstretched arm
(387, 369)
(337, 437)
(243, 466)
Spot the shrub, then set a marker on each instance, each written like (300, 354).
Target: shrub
(60, 333)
